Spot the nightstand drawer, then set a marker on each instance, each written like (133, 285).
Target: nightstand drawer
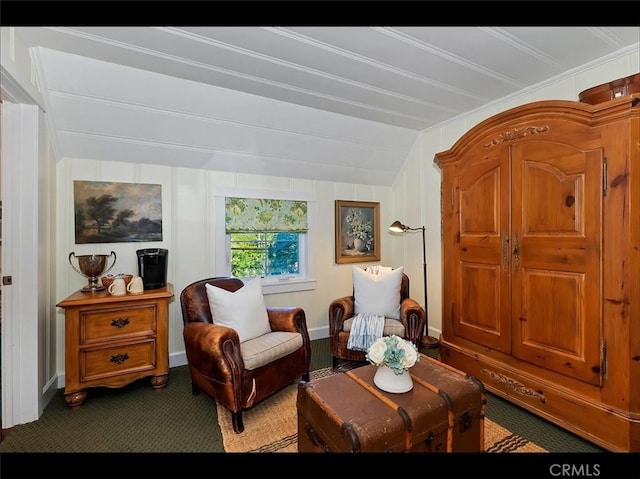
(111, 341)
(129, 358)
(117, 323)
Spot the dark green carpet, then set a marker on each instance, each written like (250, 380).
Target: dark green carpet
(137, 418)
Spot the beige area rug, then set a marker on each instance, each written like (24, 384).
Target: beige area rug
(272, 426)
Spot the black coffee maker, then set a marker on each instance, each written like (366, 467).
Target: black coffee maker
(152, 267)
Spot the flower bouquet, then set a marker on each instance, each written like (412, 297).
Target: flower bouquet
(393, 356)
(360, 228)
(393, 352)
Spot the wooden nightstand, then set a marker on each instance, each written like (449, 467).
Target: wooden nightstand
(113, 340)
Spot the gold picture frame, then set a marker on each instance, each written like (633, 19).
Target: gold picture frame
(357, 229)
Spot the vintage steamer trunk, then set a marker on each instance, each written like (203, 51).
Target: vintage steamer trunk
(346, 412)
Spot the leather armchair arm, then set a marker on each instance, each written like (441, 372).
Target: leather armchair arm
(287, 319)
(339, 310)
(215, 351)
(414, 318)
(291, 318)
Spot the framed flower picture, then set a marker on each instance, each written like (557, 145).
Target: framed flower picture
(357, 231)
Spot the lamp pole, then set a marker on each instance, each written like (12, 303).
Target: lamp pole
(396, 226)
(427, 341)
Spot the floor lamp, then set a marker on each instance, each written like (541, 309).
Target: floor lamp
(397, 227)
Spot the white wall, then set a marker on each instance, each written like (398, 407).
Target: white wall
(190, 223)
(29, 369)
(416, 192)
(189, 227)
(28, 212)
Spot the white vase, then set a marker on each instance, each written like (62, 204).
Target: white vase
(359, 245)
(387, 380)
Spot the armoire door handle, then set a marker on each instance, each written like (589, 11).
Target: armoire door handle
(505, 251)
(516, 253)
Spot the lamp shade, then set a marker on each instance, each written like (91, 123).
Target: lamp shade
(397, 227)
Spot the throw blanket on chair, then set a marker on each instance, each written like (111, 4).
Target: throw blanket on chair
(366, 328)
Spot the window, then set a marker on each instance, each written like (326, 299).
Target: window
(267, 238)
(264, 254)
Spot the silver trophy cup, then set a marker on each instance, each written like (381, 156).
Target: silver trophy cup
(92, 266)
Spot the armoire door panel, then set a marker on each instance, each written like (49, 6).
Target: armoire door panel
(552, 198)
(479, 205)
(557, 203)
(482, 305)
(559, 291)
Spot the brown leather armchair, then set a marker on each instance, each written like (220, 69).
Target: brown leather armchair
(410, 326)
(218, 361)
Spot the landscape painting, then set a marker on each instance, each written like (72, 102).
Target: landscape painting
(109, 212)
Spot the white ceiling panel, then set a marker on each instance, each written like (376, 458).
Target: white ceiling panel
(331, 103)
(573, 46)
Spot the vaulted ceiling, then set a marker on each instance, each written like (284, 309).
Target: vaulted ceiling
(330, 103)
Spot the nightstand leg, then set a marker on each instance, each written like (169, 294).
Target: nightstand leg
(158, 382)
(75, 399)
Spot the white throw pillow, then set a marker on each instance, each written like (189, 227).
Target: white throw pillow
(243, 310)
(377, 294)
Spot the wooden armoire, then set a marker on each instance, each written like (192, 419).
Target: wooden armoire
(540, 213)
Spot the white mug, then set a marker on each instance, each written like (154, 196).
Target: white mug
(117, 288)
(135, 285)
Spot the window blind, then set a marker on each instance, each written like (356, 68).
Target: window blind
(246, 215)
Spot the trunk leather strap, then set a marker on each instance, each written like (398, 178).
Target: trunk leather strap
(408, 427)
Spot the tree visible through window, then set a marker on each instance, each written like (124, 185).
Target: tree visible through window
(264, 254)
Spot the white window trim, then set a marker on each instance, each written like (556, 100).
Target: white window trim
(306, 281)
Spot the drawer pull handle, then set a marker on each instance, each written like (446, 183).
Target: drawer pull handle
(119, 358)
(120, 322)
